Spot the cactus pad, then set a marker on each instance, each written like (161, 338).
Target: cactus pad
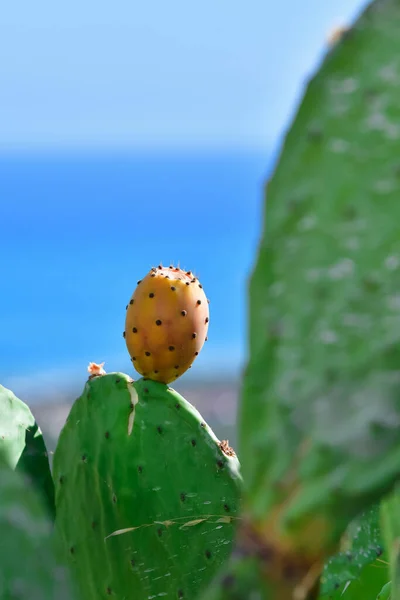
(146, 496)
(166, 323)
(22, 444)
(29, 564)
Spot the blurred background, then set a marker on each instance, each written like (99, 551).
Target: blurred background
(134, 133)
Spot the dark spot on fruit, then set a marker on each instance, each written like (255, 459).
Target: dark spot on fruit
(126, 307)
(171, 266)
(72, 550)
(199, 302)
(176, 367)
(183, 313)
(202, 424)
(187, 282)
(167, 277)
(160, 266)
(158, 322)
(61, 479)
(147, 353)
(94, 524)
(84, 458)
(151, 295)
(132, 562)
(226, 508)
(140, 469)
(159, 532)
(133, 358)
(109, 591)
(114, 498)
(180, 593)
(188, 272)
(379, 551)
(146, 390)
(117, 380)
(206, 320)
(206, 340)
(200, 286)
(208, 554)
(208, 301)
(156, 372)
(171, 348)
(194, 335)
(131, 301)
(173, 288)
(153, 275)
(196, 353)
(153, 269)
(183, 497)
(134, 329)
(107, 434)
(123, 334)
(193, 442)
(159, 429)
(140, 281)
(220, 464)
(177, 406)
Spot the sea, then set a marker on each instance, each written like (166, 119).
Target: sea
(78, 229)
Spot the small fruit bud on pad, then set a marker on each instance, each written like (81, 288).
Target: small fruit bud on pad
(94, 369)
(166, 323)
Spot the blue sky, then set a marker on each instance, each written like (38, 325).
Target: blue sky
(173, 73)
(144, 75)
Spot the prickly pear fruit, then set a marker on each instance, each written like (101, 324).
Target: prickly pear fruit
(146, 495)
(23, 446)
(166, 323)
(29, 558)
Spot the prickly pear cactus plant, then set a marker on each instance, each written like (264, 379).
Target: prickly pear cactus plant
(22, 444)
(166, 323)
(29, 562)
(320, 406)
(147, 497)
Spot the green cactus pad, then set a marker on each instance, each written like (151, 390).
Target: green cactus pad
(22, 444)
(360, 570)
(146, 498)
(29, 563)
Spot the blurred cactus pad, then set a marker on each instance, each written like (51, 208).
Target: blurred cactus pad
(30, 565)
(319, 418)
(147, 497)
(22, 445)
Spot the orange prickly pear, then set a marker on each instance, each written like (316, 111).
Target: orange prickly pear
(166, 323)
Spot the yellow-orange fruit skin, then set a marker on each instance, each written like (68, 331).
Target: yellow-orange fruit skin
(166, 323)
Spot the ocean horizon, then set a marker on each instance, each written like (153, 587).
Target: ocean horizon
(79, 230)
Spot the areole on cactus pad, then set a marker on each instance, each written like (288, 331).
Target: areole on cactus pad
(166, 323)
